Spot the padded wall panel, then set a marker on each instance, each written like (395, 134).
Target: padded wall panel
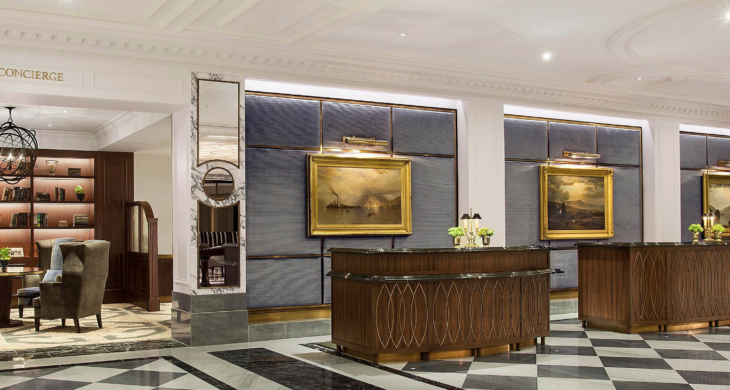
(327, 267)
(618, 146)
(276, 211)
(274, 121)
(566, 260)
(357, 242)
(718, 149)
(693, 151)
(283, 282)
(626, 205)
(522, 209)
(433, 192)
(525, 139)
(570, 137)
(691, 201)
(359, 120)
(426, 132)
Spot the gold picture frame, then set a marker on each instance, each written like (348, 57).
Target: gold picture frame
(359, 196)
(591, 212)
(708, 179)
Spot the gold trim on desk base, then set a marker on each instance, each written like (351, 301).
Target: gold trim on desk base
(290, 313)
(435, 355)
(623, 328)
(567, 293)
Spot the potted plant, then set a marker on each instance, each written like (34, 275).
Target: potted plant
(457, 233)
(4, 258)
(696, 229)
(80, 193)
(718, 230)
(486, 235)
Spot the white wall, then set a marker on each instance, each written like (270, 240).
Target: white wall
(153, 183)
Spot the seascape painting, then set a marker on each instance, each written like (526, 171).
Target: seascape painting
(718, 197)
(359, 196)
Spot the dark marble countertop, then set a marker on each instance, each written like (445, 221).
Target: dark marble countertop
(647, 244)
(386, 251)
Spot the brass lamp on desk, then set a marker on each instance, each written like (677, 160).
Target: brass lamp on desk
(708, 220)
(471, 227)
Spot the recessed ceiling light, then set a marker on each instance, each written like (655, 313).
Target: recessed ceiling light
(403, 34)
(49, 125)
(638, 78)
(65, 111)
(547, 56)
(727, 16)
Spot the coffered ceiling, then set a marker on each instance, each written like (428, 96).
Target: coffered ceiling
(658, 49)
(59, 119)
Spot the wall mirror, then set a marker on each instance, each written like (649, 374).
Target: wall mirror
(218, 184)
(218, 121)
(218, 246)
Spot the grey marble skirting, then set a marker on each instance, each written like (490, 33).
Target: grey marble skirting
(214, 319)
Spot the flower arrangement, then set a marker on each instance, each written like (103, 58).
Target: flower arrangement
(79, 190)
(717, 228)
(696, 228)
(456, 232)
(5, 253)
(485, 232)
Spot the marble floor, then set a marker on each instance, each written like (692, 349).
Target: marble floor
(572, 359)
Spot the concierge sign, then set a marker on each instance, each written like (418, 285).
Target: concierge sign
(28, 74)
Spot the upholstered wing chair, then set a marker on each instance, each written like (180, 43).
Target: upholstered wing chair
(50, 259)
(79, 291)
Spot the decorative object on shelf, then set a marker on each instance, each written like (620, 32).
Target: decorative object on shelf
(81, 220)
(486, 235)
(696, 229)
(456, 232)
(218, 184)
(42, 197)
(592, 156)
(51, 165)
(62, 223)
(4, 258)
(359, 196)
(17, 252)
(722, 163)
(364, 141)
(80, 193)
(18, 151)
(74, 171)
(576, 203)
(715, 202)
(708, 220)
(718, 229)
(471, 227)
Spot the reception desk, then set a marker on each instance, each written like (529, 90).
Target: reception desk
(639, 287)
(404, 301)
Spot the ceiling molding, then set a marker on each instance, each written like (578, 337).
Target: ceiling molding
(235, 13)
(184, 5)
(364, 77)
(153, 9)
(194, 16)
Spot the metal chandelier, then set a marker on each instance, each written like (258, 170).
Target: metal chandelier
(18, 151)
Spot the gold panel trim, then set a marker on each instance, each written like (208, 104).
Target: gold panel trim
(539, 119)
(292, 313)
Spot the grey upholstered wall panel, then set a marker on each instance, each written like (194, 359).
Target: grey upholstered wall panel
(357, 242)
(618, 146)
(522, 209)
(433, 190)
(693, 151)
(275, 121)
(283, 282)
(525, 139)
(427, 132)
(359, 120)
(327, 267)
(276, 211)
(570, 137)
(626, 205)
(691, 201)
(566, 260)
(717, 149)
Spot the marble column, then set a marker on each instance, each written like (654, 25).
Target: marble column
(662, 181)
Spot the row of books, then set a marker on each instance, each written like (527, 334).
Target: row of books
(81, 220)
(15, 194)
(41, 219)
(20, 220)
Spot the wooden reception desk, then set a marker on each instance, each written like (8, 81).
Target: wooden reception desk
(648, 287)
(405, 301)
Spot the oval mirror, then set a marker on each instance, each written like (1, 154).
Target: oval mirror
(218, 184)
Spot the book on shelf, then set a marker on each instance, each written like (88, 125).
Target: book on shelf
(15, 194)
(41, 219)
(20, 220)
(74, 171)
(42, 197)
(80, 220)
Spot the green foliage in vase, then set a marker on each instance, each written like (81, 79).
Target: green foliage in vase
(717, 228)
(79, 190)
(485, 232)
(456, 232)
(696, 228)
(5, 253)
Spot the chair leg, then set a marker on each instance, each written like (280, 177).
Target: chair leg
(63, 322)
(20, 310)
(37, 324)
(98, 320)
(76, 324)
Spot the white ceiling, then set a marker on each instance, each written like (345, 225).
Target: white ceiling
(680, 48)
(61, 119)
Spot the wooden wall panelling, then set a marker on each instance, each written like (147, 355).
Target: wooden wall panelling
(165, 277)
(114, 187)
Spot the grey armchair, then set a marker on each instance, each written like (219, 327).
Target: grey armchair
(50, 259)
(79, 292)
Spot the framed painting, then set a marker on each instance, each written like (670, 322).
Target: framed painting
(353, 196)
(576, 203)
(716, 199)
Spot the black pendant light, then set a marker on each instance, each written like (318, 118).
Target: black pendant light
(18, 151)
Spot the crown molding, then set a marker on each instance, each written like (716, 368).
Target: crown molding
(401, 79)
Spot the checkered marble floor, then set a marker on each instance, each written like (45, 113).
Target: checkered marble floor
(576, 358)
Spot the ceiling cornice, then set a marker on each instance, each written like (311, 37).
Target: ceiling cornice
(422, 81)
